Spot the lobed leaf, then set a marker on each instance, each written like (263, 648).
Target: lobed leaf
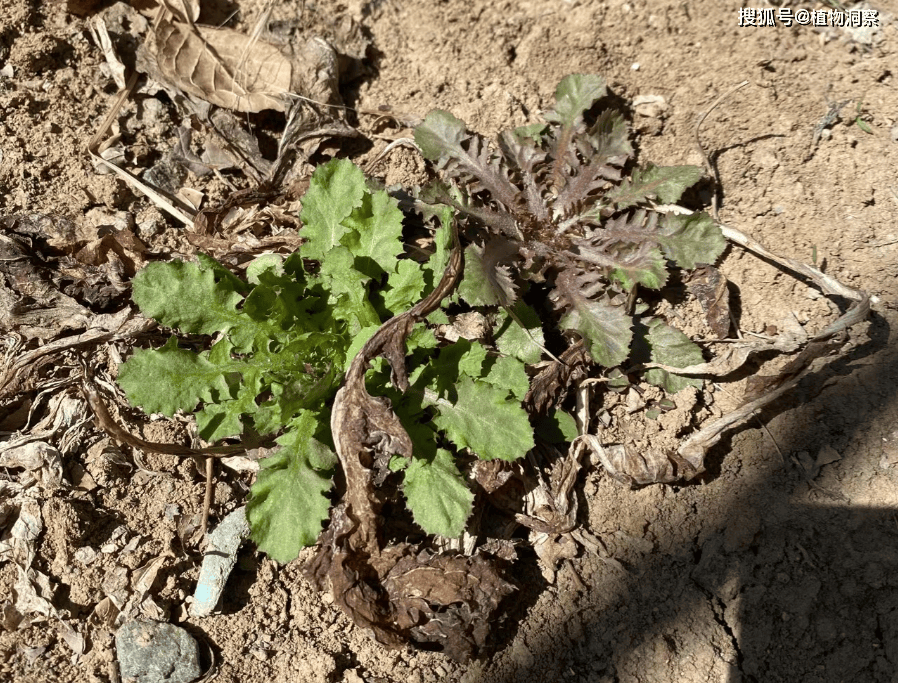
(508, 373)
(336, 189)
(606, 329)
(439, 137)
(463, 358)
(557, 427)
(169, 379)
(288, 503)
(219, 420)
(610, 138)
(486, 281)
(404, 286)
(573, 96)
(520, 335)
(376, 235)
(437, 495)
(183, 295)
(644, 265)
(670, 346)
(690, 240)
(484, 420)
(666, 183)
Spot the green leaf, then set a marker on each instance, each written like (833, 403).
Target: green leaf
(294, 390)
(863, 125)
(182, 295)
(421, 338)
(440, 135)
(670, 346)
(508, 373)
(484, 420)
(690, 240)
(475, 287)
(404, 287)
(169, 379)
(644, 265)
(533, 132)
(349, 295)
(442, 240)
(288, 503)
(437, 495)
(216, 421)
(376, 235)
(558, 427)
(335, 190)
(225, 278)
(461, 358)
(666, 183)
(359, 340)
(610, 139)
(574, 95)
(264, 263)
(605, 328)
(521, 342)
(486, 281)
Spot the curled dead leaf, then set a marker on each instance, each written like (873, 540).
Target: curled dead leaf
(637, 468)
(709, 286)
(398, 592)
(219, 65)
(551, 384)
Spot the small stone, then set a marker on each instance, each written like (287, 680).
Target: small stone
(260, 654)
(85, 555)
(652, 106)
(148, 228)
(219, 560)
(155, 652)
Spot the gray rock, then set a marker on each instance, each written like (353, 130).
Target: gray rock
(219, 560)
(154, 652)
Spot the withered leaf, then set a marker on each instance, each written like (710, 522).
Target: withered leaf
(446, 599)
(758, 385)
(551, 384)
(219, 65)
(398, 592)
(709, 286)
(638, 468)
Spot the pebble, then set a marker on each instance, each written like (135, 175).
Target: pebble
(219, 560)
(156, 652)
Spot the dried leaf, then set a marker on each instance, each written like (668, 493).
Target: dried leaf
(396, 592)
(551, 384)
(637, 469)
(219, 65)
(446, 600)
(709, 286)
(757, 385)
(41, 461)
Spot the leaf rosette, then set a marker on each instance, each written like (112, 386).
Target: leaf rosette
(565, 204)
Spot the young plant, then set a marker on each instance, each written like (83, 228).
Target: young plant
(282, 340)
(560, 203)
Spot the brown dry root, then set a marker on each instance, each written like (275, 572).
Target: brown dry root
(401, 593)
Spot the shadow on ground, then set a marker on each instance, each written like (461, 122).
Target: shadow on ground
(788, 581)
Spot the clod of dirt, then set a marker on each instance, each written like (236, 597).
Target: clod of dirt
(152, 652)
